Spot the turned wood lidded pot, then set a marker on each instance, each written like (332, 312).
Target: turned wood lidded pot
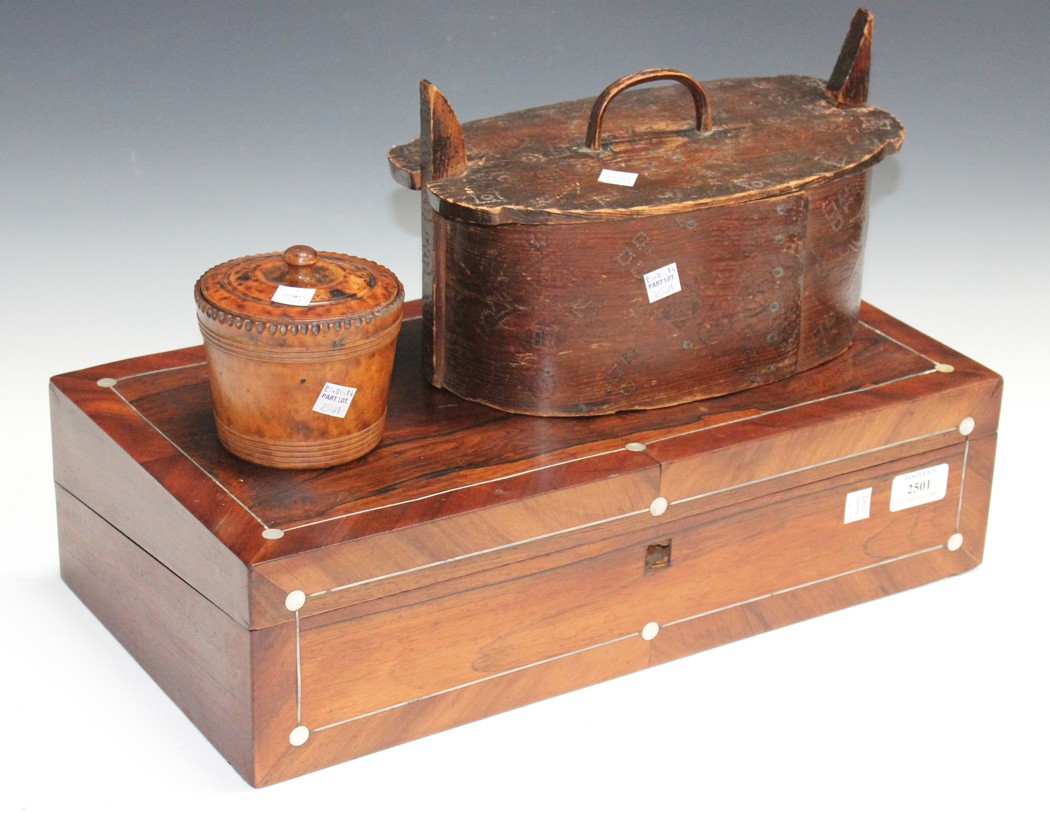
(300, 349)
(648, 247)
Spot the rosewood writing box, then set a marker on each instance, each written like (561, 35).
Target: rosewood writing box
(477, 560)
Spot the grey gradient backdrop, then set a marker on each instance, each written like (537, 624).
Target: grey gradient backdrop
(142, 143)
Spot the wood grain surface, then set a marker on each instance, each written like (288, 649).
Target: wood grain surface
(770, 136)
(270, 363)
(452, 477)
(747, 196)
(481, 560)
(751, 549)
(194, 651)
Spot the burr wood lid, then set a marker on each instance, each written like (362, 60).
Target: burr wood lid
(299, 291)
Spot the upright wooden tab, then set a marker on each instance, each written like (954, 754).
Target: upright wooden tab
(442, 154)
(849, 79)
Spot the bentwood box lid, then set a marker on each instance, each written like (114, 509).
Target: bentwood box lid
(300, 290)
(691, 145)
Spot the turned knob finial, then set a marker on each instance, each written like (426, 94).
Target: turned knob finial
(300, 260)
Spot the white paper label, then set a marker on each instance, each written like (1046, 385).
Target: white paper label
(662, 282)
(858, 506)
(618, 177)
(287, 295)
(334, 400)
(923, 486)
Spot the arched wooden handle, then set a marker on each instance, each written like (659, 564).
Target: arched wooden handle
(594, 125)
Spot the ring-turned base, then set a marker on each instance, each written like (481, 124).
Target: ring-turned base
(288, 454)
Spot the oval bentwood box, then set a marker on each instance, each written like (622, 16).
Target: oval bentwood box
(650, 247)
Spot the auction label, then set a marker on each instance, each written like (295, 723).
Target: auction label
(287, 295)
(662, 282)
(858, 506)
(334, 400)
(618, 177)
(923, 486)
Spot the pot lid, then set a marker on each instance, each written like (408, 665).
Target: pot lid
(664, 149)
(299, 286)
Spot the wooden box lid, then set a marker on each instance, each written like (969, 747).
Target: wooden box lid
(693, 145)
(456, 489)
(347, 296)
